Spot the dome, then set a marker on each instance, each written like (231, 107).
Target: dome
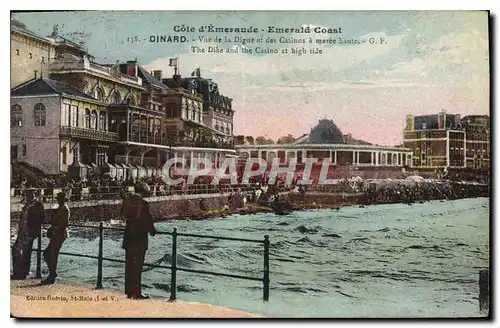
(326, 132)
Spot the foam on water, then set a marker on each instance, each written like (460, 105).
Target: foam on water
(378, 261)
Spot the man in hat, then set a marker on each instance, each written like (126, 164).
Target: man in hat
(57, 234)
(30, 224)
(139, 223)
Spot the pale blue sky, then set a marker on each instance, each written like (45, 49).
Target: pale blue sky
(432, 61)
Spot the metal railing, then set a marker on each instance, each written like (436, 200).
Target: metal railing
(173, 267)
(88, 133)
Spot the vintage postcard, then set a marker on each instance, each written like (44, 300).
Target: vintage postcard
(250, 164)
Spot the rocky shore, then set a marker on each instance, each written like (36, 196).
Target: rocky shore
(347, 192)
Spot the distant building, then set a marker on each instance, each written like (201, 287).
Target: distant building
(326, 141)
(443, 141)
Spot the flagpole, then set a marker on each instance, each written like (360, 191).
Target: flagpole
(179, 71)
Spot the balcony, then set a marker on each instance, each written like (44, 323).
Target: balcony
(75, 132)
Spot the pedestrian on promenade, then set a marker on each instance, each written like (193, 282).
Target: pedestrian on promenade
(57, 233)
(139, 223)
(30, 224)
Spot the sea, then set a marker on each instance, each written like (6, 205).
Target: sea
(379, 261)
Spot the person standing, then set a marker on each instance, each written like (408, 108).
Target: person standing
(57, 233)
(139, 223)
(30, 224)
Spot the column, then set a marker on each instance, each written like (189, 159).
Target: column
(335, 157)
(128, 125)
(371, 159)
(353, 157)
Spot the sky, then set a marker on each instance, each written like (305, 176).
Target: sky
(431, 61)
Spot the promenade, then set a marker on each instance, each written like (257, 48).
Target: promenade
(29, 299)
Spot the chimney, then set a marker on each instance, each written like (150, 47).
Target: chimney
(132, 68)
(157, 74)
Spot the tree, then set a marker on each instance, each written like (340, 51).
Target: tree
(288, 139)
(250, 140)
(263, 141)
(239, 140)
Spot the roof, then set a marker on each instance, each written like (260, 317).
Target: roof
(45, 86)
(150, 79)
(20, 27)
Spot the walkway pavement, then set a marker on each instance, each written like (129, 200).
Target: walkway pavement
(29, 299)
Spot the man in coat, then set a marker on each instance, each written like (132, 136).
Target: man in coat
(57, 233)
(30, 224)
(139, 223)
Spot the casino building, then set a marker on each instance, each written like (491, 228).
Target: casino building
(346, 155)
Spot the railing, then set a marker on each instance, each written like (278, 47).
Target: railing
(173, 268)
(49, 195)
(136, 160)
(88, 133)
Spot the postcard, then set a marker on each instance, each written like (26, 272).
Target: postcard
(250, 164)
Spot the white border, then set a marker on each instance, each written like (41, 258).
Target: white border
(194, 5)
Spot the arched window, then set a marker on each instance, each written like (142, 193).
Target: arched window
(131, 101)
(16, 116)
(98, 94)
(39, 115)
(87, 118)
(93, 120)
(115, 98)
(102, 121)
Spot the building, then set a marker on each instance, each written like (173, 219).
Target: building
(28, 53)
(217, 112)
(445, 141)
(80, 114)
(326, 142)
(54, 125)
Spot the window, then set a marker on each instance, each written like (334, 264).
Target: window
(74, 115)
(39, 115)
(16, 116)
(24, 150)
(93, 120)
(102, 121)
(42, 59)
(115, 98)
(17, 52)
(75, 155)
(65, 115)
(31, 56)
(87, 118)
(64, 154)
(98, 93)
(101, 157)
(13, 152)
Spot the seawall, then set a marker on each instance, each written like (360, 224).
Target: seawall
(355, 192)
(162, 208)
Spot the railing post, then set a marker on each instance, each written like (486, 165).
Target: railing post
(99, 259)
(173, 278)
(39, 256)
(266, 268)
(484, 290)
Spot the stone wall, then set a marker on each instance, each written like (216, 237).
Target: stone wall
(162, 208)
